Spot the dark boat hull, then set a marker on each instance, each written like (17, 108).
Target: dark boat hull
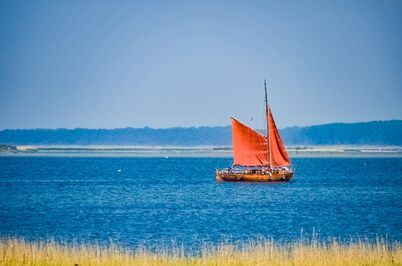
(277, 176)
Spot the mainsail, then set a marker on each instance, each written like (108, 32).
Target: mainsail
(250, 147)
(277, 152)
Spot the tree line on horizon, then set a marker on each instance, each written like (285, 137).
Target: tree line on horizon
(364, 133)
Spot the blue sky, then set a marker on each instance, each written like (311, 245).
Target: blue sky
(107, 64)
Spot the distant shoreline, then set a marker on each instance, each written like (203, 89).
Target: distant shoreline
(193, 151)
(363, 133)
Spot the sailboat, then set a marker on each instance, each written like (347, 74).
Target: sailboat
(257, 158)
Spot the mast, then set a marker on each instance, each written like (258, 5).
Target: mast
(267, 117)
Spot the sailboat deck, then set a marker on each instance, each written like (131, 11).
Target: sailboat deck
(254, 175)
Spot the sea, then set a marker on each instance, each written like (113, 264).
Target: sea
(153, 202)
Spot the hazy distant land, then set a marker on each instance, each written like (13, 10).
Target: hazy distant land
(383, 133)
(354, 139)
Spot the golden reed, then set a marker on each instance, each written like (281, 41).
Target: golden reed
(266, 252)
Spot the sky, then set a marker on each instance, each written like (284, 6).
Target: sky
(113, 64)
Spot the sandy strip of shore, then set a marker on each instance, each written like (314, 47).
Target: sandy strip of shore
(196, 151)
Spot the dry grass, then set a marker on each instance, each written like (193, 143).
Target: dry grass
(20, 252)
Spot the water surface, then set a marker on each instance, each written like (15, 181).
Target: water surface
(134, 201)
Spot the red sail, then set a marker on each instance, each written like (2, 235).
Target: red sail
(249, 146)
(278, 154)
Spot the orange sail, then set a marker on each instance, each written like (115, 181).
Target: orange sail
(277, 152)
(249, 146)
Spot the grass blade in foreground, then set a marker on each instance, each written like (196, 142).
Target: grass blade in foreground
(20, 252)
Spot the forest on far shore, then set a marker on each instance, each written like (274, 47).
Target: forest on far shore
(364, 133)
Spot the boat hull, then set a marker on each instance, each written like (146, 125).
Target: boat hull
(280, 176)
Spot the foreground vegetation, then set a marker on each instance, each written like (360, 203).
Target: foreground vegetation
(20, 252)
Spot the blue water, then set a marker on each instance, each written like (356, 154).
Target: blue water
(157, 200)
